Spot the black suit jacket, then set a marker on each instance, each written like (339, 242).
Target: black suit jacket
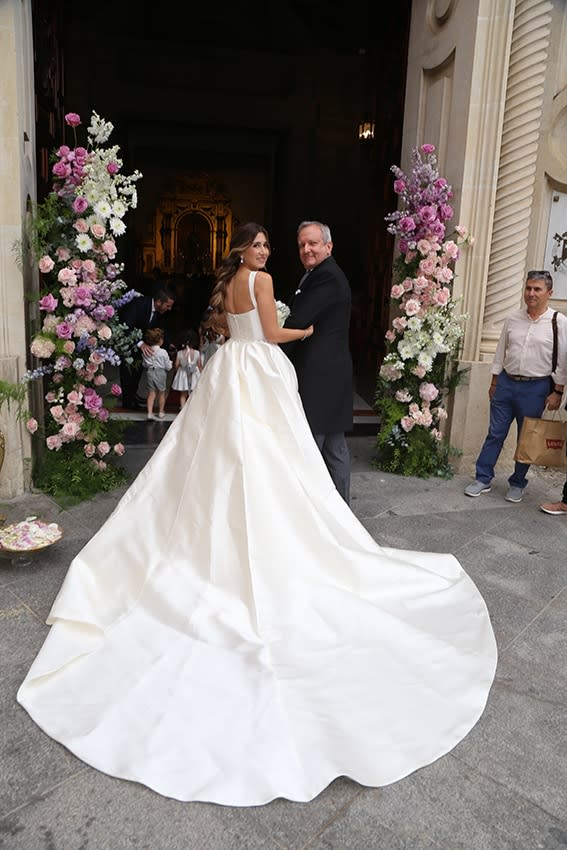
(323, 361)
(137, 312)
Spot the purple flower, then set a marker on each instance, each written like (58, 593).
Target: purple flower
(72, 119)
(64, 330)
(407, 224)
(92, 400)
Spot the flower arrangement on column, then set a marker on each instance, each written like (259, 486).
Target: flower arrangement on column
(73, 239)
(420, 366)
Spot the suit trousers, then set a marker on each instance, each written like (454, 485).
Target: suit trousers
(334, 449)
(512, 400)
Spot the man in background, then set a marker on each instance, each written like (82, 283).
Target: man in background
(144, 312)
(525, 379)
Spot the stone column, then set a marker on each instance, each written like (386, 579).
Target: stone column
(495, 273)
(17, 192)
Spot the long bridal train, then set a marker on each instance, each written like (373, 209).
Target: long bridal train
(233, 634)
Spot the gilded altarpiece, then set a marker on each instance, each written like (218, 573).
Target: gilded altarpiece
(190, 230)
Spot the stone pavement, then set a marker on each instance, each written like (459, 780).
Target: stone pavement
(503, 788)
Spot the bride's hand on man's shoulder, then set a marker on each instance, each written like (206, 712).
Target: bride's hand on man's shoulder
(309, 331)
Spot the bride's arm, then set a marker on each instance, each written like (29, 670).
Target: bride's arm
(264, 292)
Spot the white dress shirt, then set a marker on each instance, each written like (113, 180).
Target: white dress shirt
(159, 358)
(525, 346)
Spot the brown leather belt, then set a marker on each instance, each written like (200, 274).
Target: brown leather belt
(525, 378)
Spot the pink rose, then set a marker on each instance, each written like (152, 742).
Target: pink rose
(67, 276)
(54, 442)
(412, 307)
(89, 450)
(63, 254)
(32, 425)
(428, 148)
(61, 169)
(80, 204)
(103, 448)
(72, 119)
(68, 346)
(428, 392)
(109, 248)
(119, 449)
(64, 330)
(407, 224)
(70, 430)
(98, 231)
(116, 389)
(48, 303)
(81, 226)
(46, 264)
(112, 167)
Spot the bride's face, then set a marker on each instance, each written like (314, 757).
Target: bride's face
(256, 255)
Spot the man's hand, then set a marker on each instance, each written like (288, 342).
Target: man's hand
(553, 401)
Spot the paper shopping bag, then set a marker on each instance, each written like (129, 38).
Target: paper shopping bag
(542, 442)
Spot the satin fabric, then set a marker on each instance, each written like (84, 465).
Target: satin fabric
(233, 634)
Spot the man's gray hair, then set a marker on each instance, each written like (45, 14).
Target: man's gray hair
(324, 228)
(541, 274)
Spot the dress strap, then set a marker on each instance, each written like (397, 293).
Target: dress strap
(251, 279)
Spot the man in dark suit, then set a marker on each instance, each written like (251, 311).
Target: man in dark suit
(144, 312)
(323, 361)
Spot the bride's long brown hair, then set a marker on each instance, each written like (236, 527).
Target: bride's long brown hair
(241, 240)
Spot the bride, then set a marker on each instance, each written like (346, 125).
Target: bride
(232, 633)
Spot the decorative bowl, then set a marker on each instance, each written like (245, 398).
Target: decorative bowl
(20, 542)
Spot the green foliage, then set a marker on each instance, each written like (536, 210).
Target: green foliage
(74, 481)
(416, 452)
(50, 224)
(15, 394)
(65, 476)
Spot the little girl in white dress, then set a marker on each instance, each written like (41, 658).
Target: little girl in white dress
(187, 367)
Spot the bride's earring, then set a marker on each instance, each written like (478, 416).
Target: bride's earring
(241, 259)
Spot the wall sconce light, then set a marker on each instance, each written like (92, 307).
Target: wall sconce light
(366, 131)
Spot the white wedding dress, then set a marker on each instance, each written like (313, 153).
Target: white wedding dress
(233, 634)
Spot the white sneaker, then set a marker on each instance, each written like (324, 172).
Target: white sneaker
(150, 416)
(161, 416)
